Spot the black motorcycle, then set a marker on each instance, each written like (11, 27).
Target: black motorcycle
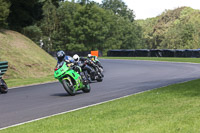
(3, 86)
(98, 75)
(3, 69)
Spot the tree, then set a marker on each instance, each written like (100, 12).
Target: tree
(24, 13)
(50, 23)
(4, 12)
(118, 7)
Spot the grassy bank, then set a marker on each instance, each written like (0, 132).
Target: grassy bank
(189, 60)
(29, 81)
(27, 62)
(169, 109)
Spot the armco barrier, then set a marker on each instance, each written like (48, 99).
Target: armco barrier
(168, 53)
(180, 53)
(155, 53)
(142, 53)
(196, 53)
(125, 53)
(3, 68)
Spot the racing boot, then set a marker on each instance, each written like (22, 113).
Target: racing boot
(85, 81)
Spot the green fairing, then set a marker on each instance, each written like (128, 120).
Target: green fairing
(65, 73)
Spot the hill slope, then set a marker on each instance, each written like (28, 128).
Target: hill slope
(173, 29)
(26, 59)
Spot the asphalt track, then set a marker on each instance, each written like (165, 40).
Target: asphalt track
(122, 77)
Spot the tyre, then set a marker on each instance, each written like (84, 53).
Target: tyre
(99, 80)
(70, 89)
(100, 77)
(3, 86)
(87, 88)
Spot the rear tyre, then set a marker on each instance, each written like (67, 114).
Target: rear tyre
(70, 89)
(87, 88)
(3, 86)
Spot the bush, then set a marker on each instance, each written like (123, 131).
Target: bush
(33, 32)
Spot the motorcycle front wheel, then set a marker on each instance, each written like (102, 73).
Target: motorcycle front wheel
(87, 88)
(70, 89)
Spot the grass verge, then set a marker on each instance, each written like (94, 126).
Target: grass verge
(169, 109)
(28, 81)
(189, 60)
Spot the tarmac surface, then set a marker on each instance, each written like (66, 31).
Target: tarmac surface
(122, 77)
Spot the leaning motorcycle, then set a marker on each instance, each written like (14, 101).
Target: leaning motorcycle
(70, 79)
(98, 72)
(98, 63)
(3, 86)
(3, 69)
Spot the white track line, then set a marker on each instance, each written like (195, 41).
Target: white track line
(71, 110)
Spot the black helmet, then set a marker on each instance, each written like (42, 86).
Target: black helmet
(60, 55)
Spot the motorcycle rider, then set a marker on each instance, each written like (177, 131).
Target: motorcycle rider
(61, 56)
(94, 59)
(82, 62)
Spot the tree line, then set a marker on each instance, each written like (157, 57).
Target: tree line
(173, 29)
(80, 25)
(84, 25)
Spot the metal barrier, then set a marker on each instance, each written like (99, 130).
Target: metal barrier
(155, 53)
(3, 68)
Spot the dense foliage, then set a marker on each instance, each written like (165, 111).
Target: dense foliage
(173, 29)
(4, 12)
(81, 25)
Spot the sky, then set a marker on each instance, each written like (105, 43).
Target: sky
(151, 8)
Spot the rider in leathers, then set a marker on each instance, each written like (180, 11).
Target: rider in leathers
(69, 60)
(82, 62)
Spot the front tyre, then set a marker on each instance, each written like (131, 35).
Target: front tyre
(100, 77)
(69, 88)
(3, 86)
(99, 80)
(87, 88)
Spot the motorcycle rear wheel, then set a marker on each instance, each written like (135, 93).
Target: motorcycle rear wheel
(3, 87)
(70, 89)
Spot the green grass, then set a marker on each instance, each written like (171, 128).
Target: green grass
(27, 62)
(189, 60)
(28, 81)
(169, 109)
(25, 58)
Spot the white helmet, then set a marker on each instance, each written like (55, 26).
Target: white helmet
(89, 56)
(76, 58)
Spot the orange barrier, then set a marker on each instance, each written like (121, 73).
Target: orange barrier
(95, 53)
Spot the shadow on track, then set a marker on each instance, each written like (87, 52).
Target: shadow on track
(65, 94)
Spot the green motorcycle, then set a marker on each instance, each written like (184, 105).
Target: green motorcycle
(70, 79)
